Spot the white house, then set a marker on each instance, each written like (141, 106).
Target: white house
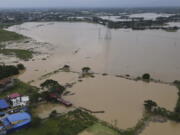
(24, 100)
(18, 100)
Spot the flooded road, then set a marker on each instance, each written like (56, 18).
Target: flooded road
(104, 50)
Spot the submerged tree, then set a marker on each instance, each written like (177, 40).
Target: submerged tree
(53, 86)
(49, 83)
(21, 67)
(86, 69)
(66, 68)
(149, 105)
(146, 76)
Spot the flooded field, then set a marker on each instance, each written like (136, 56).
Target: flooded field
(169, 128)
(146, 16)
(150, 16)
(121, 99)
(104, 50)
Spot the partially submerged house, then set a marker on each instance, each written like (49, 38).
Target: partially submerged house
(59, 99)
(6, 84)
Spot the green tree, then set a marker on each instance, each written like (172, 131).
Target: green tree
(53, 86)
(149, 104)
(21, 67)
(146, 76)
(86, 69)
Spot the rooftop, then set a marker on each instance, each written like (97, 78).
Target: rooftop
(3, 104)
(14, 95)
(19, 117)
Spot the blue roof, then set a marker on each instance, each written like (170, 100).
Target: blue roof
(3, 104)
(19, 116)
(22, 119)
(6, 122)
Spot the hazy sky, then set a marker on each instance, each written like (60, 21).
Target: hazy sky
(87, 3)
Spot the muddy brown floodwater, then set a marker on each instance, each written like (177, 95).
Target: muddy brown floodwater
(105, 50)
(168, 128)
(121, 99)
(108, 51)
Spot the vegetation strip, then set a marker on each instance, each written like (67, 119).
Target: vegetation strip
(19, 53)
(10, 70)
(9, 36)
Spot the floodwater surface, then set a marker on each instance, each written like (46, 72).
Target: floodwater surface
(107, 51)
(168, 128)
(104, 50)
(121, 99)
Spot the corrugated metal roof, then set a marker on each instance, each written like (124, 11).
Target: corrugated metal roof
(3, 104)
(14, 95)
(19, 117)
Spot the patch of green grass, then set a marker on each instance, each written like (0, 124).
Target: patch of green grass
(99, 129)
(19, 53)
(9, 36)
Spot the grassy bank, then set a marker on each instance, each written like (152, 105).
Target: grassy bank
(19, 53)
(9, 36)
(100, 129)
(12, 36)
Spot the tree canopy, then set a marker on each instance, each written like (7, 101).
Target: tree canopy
(8, 70)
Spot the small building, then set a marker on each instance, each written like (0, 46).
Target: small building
(3, 104)
(16, 99)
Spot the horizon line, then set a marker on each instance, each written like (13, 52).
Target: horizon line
(93, 7)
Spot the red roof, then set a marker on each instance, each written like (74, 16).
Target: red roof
(53, 95)
(14, 95)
